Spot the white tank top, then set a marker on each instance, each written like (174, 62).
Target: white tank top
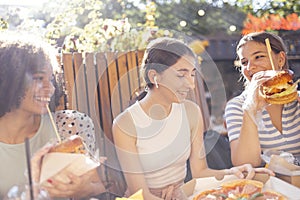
(163, 145)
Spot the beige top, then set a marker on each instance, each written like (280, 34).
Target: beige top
(13, 161)
(163, 145)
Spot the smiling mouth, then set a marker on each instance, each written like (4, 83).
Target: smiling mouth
(43, 99)
(183, 92)
(251, 74)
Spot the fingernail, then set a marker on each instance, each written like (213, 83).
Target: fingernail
(49, 181)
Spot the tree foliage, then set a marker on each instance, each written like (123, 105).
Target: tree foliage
(96, 22)
(260, 8)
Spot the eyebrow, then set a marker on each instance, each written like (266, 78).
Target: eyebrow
(254, 53)
(39, 71)
(185, 70)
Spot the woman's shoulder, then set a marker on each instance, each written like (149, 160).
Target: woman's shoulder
(191, 105)
(192, 111)
(239, 99)
(124, 118)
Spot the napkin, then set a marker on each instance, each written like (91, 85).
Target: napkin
(136, 196)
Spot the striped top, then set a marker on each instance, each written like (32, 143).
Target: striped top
(269, 136)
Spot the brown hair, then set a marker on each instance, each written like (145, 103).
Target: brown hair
(161, 54)
(276, 42)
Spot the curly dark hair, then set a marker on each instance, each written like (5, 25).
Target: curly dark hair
(20, 58)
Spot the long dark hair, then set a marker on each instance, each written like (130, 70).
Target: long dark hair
(160, 54)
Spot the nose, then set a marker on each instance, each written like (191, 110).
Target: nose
(190, 82)
(250, 66)
(48, 86)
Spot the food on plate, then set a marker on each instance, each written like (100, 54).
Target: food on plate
(280, 87)
(240, 189)
(272, 195)
(73, 144)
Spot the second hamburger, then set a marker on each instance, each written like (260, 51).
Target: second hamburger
(280, 88)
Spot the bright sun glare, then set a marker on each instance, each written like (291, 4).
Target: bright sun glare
(23, 2)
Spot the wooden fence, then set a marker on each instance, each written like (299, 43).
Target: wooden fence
(102, 85)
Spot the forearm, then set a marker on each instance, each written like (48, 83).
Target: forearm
(136, 182)
(246, 149)
(219, 174)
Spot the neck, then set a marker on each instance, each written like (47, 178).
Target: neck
(156, 106)
(274, 107)
(16, 126)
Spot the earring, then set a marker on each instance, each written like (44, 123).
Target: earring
(155, 81)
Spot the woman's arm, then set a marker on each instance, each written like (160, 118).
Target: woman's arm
(198, 163)
(125, 142)
(243, 121)
(197, 158)
(246, 148)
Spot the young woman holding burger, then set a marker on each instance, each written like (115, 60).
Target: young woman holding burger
(266, 115)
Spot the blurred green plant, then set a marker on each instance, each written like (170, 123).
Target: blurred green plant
(98, 33)
(3, 24)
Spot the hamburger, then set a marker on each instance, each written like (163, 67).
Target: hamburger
(279, 88)
(73, 144)
(69, 155)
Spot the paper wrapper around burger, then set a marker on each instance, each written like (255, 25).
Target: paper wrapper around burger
(55, 165)
(285, 170)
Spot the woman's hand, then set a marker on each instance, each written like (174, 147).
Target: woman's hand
(36, 162)
(87, 185)
(79, 186)
(239, 171)
(254, 101)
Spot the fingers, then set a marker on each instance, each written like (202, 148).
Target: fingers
(235, 171)
(163, 193)
(169, 193)
(57, 188)
(36, 161)
(238, 171)
(79, 186)
(264, 170)
(250, 171)
(102, 159)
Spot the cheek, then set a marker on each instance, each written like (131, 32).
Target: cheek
(245, 73)
(36, 87)
(171, 83)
